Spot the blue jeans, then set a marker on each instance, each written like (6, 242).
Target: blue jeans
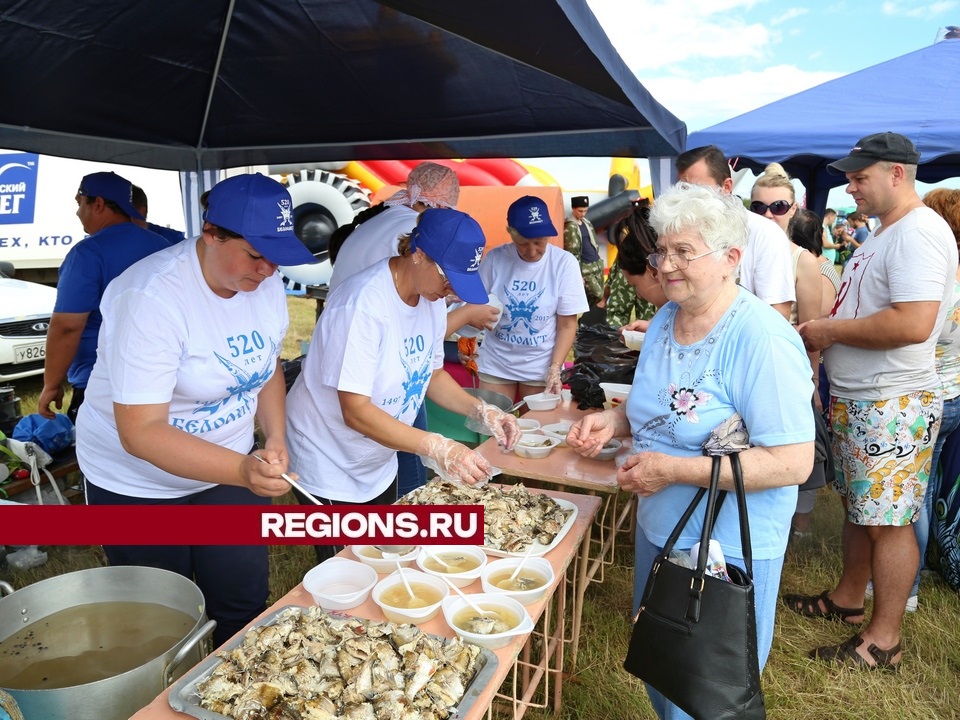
(921, 528)
(411, 473)
(234, 579)
(766, 583)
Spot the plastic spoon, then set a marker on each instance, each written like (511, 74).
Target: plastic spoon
(292, 482)
(404, 579)
(437, 558)
(468, 601)
(522, 562)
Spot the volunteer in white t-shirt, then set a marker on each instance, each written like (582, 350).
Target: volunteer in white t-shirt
(376, 352)
(542, 294)
(188, 356)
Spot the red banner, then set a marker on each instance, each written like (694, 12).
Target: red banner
(240, 524)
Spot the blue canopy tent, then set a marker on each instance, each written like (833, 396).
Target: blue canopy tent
(916, 95)
(191, 85)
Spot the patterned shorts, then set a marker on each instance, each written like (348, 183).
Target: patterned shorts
(883, 450)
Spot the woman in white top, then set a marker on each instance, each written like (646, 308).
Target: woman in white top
(188, 358)
(542, 293)
(376, 353)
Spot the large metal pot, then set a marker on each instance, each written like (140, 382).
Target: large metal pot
(120, 696)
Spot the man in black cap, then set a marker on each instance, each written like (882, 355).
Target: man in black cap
(886, 398)
(580, 239)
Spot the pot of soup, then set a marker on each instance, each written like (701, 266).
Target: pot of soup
(99, 644)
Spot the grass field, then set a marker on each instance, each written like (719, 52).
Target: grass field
(926, 687)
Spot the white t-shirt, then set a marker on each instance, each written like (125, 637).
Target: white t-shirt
(765, 268)
(168, 338)
(912, 260)
(369, 342)
(372, 241)
(533, 295)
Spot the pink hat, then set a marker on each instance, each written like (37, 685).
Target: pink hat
(431, 184)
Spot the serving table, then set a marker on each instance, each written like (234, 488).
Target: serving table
(531, 661)
(566, 469)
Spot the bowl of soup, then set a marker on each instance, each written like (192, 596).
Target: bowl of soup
(608, 451)
(339, 583)
(528, 426)
(558, 430)
(530, 584)
(534, 445)
(502, 619)
(369, 555)
(465, 562)
(398, 605)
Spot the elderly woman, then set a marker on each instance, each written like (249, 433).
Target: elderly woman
(542, 293)
(188, 358)
(377, 351)
(713, 350)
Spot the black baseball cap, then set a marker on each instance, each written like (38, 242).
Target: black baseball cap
(885, 146)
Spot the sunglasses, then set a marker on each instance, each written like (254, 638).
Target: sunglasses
(777, 207)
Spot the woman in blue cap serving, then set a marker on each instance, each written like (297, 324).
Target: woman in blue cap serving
(188, 357)
(376, 353)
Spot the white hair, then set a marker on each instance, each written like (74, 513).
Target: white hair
(720, 218)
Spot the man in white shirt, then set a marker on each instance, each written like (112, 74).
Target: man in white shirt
(765, 268)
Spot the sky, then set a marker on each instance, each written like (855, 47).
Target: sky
(708, 61)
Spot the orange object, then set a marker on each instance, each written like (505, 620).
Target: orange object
(467, 347)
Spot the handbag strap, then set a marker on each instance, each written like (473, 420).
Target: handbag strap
(745, 545)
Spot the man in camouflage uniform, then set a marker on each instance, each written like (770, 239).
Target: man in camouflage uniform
(580, 239)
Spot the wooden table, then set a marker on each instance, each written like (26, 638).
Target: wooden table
(566, 469)
(530, 668)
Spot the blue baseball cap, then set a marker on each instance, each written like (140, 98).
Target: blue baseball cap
(529, 217)
(455, 242)
(260, 209)
(110, 186)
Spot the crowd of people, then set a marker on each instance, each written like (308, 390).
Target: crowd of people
(174, 354)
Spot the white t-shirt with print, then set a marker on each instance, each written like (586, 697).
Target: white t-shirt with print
(533, 295)
(766, 269)
(948, 347)
(372, 241)
(369, 342)
(912, 260)
(168, 338)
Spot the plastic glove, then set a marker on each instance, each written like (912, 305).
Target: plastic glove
(497, 423)
(453, 461)
(553, 384)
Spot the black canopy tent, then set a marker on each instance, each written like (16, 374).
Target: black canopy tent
(188, 85)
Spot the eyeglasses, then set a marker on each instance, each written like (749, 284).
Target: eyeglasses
(443, 275)
(777, 207)
(680, 261)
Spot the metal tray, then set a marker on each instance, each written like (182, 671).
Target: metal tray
(538, 547)
(184, 697)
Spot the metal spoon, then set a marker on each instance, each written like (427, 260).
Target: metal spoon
(293, 483)
(522, 562)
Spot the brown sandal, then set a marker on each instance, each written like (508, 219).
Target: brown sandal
(810, 606)
(846, 654)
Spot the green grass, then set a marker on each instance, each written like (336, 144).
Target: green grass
(796, 688)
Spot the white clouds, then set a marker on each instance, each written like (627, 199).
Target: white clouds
(788, 15)
(705, 101)
(913, 10)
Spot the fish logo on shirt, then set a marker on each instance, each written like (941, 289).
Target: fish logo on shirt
(521, 311)
(413, 385)
(246, 383)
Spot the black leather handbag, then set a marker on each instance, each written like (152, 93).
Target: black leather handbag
(695, 637)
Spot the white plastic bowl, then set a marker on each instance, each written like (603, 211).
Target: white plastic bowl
(453, 605)
(415, 615)
(609, 450)
(633, 339)
(339, 583)
(615, 393)
(460, 579)
(539, 565)
(528, 425)
(542, 401)
(558, 430)
(470, 331)
(544, 446)
(382, 565)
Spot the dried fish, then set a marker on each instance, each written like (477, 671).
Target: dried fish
(513, 517)
(309, 665)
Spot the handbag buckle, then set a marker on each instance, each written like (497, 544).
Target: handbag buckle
(693, 582)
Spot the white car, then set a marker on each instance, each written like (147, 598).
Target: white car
(25, 310)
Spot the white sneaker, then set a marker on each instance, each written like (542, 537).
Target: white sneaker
(912, 601)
